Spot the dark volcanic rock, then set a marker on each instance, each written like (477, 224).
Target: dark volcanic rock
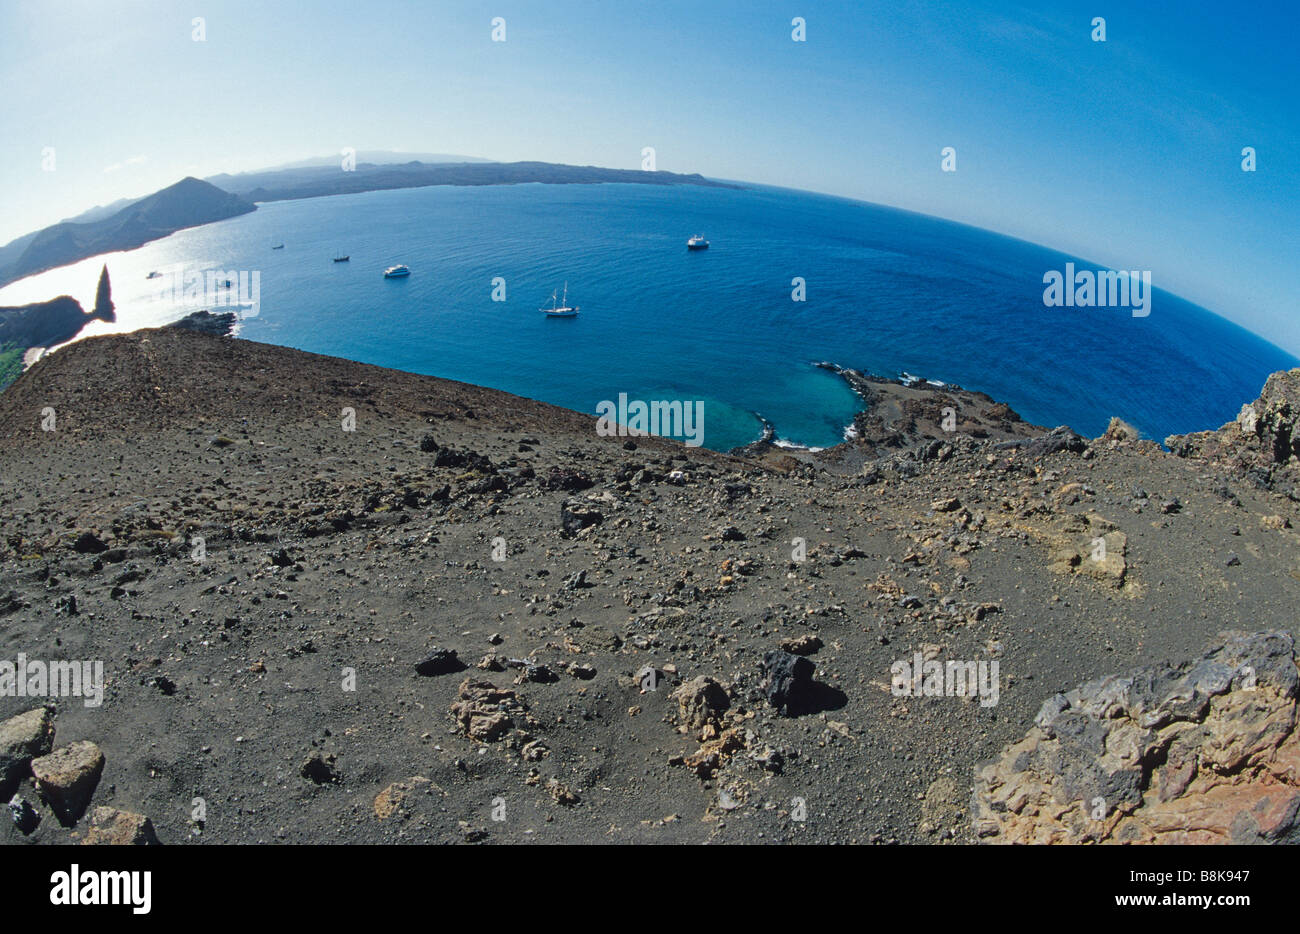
(104, 297)
(24, 816)
(568, 479)
(1055, 441)
(576, 515)
(788, 682)
(87, 543)
(218, 324)
(468, 460)
(956, 550)
(440, 662)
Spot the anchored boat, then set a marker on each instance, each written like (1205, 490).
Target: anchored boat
(560, 306)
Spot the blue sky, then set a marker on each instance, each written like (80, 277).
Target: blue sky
(1125, 152)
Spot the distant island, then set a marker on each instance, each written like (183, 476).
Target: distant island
(188, 203)
(286, 184)
(191, 202)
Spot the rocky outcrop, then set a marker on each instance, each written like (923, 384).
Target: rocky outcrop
(1261, 440)
(486, 712)
(22, 738)
(902, 413)
(104, 297)
(701, 702)
(1120, 431)
(1203, 752)
(1061, 438)
(218, 324)
(67, 778)
(47, 324)
(42, 324)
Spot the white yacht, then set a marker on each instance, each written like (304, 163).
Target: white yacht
(560, 306)
(397, 272)
(697, 242)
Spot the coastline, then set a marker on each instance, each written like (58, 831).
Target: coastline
(896, 412)
(900, 413)
(315, 308)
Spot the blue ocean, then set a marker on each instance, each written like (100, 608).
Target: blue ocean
(886, 291)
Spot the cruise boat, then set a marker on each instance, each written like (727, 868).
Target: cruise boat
(560, 306)
(396, 272)
(697, 242)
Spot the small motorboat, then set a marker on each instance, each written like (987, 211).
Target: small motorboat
(278, 247)
(396, 272)
(697, 242)
(154, 275)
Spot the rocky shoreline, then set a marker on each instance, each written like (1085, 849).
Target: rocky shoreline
(336, 603)
(27, 331)
(897, 415)
(218, 324)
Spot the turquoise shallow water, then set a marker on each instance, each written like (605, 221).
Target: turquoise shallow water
(887, 292)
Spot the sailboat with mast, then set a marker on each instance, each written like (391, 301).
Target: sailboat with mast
(560, 306)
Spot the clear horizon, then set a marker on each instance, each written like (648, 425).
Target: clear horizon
(1125, 152)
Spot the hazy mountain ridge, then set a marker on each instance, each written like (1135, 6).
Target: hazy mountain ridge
(319, 181)
(377, 157)
(192, 202)
(188, 203)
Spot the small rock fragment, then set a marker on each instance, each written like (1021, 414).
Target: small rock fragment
(701, 701)
(67, 778)
(111, 827)
(24, 815)
(391, 799)
(806, 644)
